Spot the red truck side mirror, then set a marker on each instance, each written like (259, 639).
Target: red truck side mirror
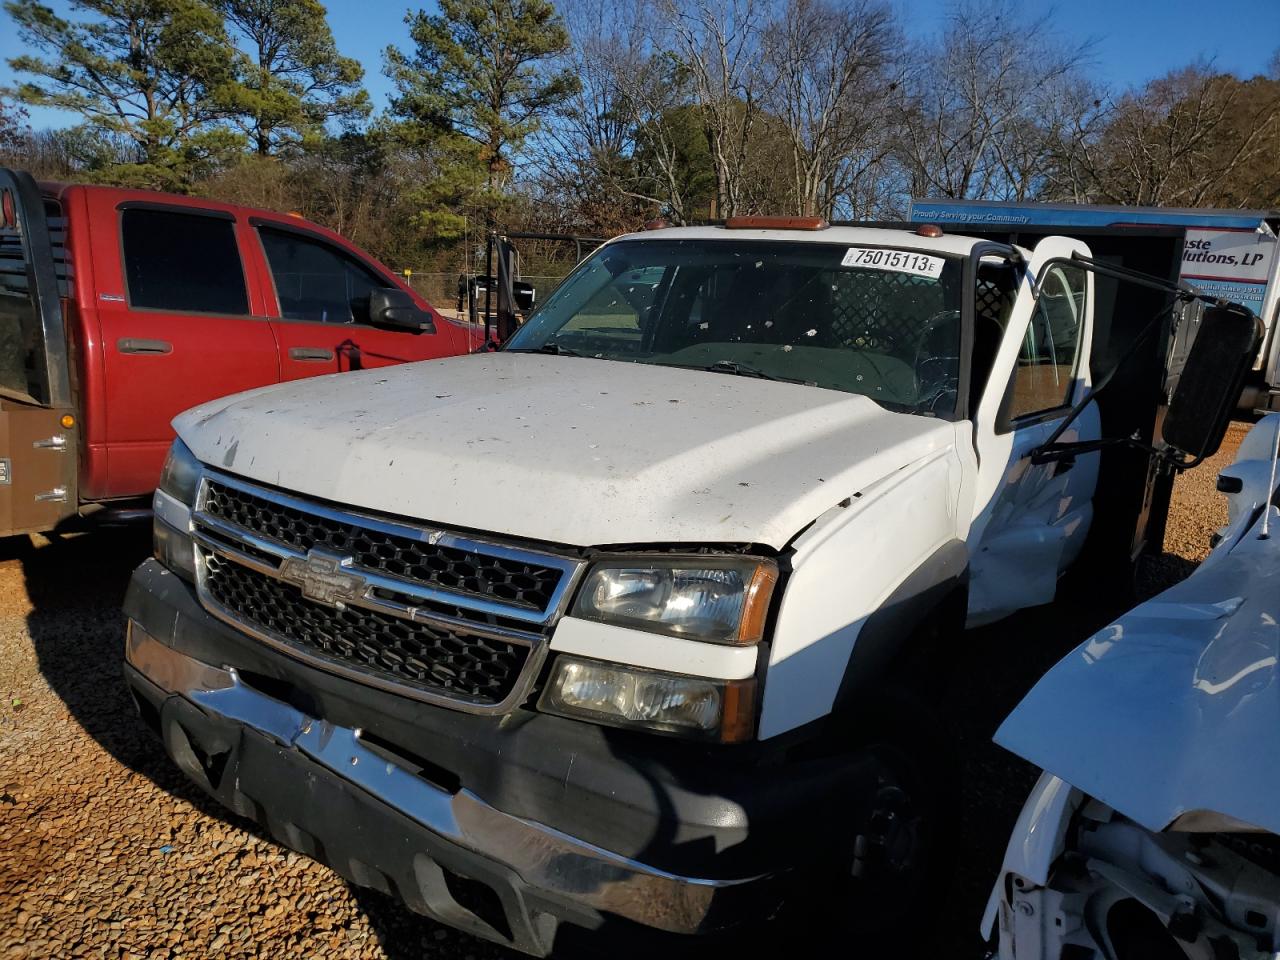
(395, 310)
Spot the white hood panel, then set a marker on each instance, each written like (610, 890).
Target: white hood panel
(1174, 708)
(563, 449)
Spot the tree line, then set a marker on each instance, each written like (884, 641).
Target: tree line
(594, 116)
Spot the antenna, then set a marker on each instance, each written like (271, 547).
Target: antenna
(1265, 532)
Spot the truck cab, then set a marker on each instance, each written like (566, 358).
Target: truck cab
(1230, 254)
(635, 621)
(121, 308)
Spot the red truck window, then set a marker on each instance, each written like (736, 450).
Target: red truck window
(315, 282)
(182, 262)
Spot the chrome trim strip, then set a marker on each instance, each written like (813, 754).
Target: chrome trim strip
(239, 556)
(567, 566)
(458, 624)
(545, 858)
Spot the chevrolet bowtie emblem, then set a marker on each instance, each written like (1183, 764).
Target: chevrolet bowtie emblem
(323, 577)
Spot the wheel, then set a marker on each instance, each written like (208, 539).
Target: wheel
(890, 864)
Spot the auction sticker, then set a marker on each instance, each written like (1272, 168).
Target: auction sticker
(901, 261)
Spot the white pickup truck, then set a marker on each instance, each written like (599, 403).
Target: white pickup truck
(632, 624)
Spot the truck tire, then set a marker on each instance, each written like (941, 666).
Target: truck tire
(892, 861)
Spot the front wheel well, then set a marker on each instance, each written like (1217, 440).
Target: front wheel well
(911, 642)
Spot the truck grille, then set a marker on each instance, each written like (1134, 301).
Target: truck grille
(417, 654)
(430, 614)
(523, 584)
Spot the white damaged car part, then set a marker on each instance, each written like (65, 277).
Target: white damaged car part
(1155, 830)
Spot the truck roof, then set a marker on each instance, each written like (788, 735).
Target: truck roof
(60, 191)
(845, 235)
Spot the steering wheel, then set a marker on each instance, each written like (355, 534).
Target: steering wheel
(933, 388)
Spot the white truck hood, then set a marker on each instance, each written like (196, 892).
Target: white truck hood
(565, 450)
(1175, 707)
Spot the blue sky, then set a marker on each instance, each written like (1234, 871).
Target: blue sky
(1135, 39)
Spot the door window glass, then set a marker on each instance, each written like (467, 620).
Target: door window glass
(1046, 370)
(183, 262)
(316, 282)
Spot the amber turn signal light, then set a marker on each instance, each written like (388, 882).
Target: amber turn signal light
(755, 609)
(776, 223)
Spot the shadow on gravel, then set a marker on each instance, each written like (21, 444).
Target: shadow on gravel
(404, 935)
(77, 585)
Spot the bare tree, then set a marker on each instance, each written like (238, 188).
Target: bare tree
(616, 149)
(979, 98)
(1190, 138)
(1072, 113)
(833, 78)
(718, 44)
(572, 154)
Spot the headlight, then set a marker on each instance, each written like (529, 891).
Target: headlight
(719, 599)
(620, 696)
(181, 474)
(171, 506)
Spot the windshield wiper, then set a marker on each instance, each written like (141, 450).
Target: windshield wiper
(739, 370)
(549, 347)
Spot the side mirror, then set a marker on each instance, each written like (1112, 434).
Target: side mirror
(1211, 381)
(394, 309)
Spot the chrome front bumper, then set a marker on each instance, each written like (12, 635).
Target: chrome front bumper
(548, 867)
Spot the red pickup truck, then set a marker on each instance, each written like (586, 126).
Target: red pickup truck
(121, 308)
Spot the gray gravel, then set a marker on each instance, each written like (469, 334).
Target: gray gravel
(105, 851)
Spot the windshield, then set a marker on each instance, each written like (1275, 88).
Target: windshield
(881, 322)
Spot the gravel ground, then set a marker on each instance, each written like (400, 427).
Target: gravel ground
(106, 851)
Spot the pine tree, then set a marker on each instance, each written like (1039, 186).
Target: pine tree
(480, 69)
(153, 72)
(292, 80)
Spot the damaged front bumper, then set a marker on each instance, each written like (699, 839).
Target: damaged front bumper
(326, 793)
(522, 829)
(1082, 881)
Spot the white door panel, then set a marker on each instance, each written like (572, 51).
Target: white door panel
(1030, 520)
(1034, 523)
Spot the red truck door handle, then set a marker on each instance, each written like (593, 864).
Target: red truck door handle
(310, 353)
(145, 347)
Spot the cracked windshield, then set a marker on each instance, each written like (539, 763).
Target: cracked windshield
(880, 322)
